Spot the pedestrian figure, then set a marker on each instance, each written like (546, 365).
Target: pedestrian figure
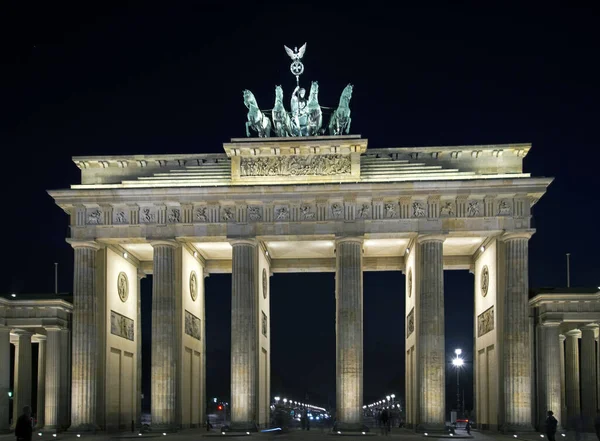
(384, 422)
(23, 427)
(597, 424)
(551, 425)
(468, 427)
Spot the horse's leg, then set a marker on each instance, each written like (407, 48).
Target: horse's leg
(247, 129)
(348, 126)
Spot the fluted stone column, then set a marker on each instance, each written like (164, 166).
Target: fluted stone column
(244, 334)
(549, 369)
(572, 376)
(85, 338)
(431, 365)
(54, 364)
(41, 386)
(517, 351)
(138, 416)
(164, 336)
(65, 377)
(4, 378)
(23, 373)
(563, 403)
(349, 332)
(588, 375)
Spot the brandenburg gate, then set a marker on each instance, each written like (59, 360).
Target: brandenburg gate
(298, 201)
(296, 204)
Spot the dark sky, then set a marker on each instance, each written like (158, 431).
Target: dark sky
(137, 79)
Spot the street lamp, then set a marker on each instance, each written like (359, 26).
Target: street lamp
(457, 362)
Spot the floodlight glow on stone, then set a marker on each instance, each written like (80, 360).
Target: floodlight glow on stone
(125, 255)
(482, 248)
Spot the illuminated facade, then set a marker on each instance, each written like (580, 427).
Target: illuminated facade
(318, 204)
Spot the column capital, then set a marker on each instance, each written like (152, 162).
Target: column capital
(355, 239)
(53, 328)
(573, 333)
(422, 238)
(39, 337)
(562, 337)
(243, 241)
(141, 274)
(22, 332)
(84, 244)
(164, 243)
(550, 323)
(511, 235)
(590, 327)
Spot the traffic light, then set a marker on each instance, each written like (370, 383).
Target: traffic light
(220, 407)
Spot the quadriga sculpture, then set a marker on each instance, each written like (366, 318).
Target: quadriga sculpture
(257, 120)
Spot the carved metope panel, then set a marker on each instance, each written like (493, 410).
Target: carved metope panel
(192, 325)
(123, 286)
(410, 322)
(485, 280)
(319, 165)
(193, 286)
(121, 326)
(485, 322)
(264, 324)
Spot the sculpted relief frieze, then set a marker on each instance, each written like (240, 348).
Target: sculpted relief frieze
(300, 211)
(485, 322)
(321, 165)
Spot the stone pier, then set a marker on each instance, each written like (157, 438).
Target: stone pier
(588, 375)
(244, 334)
(349, 332)
(85, 339)
(430, 344)
(164, 337)
(572, 376)
(517, 352)
(41, 380)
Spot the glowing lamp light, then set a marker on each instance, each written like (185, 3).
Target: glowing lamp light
(364, 433)
(563, 434)
(364, 407)
(388, 397)
(285, 400)
(13, 295)
(393, 396)
(164, 434)
(247, 433)
(425, 434)
(339, 433)
(515, 436)
(54, 435)
(451, 434)
(277, 398)
(541, 436)
(78, 435)
(39, 433)
(222, 433)
(458, 362)
(139, 434)
(458, 351)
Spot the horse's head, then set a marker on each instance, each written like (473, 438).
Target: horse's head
(249, 99)
(314, 90)
(346, 95)
(278, 93)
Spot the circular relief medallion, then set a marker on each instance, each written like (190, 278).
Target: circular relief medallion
(193, 285)
(265, 283)
(123, 286)
(409, 282)
(485, 280)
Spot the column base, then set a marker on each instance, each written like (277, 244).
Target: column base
(50, 429)
(517, 428)
(433, 428)
(84, 428)
(341, 426)
(241, 426)
(167, 428)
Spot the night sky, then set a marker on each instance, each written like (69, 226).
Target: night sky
(134, 79)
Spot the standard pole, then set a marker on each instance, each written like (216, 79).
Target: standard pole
(55, 277)
(457, 389)
(568, 270)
